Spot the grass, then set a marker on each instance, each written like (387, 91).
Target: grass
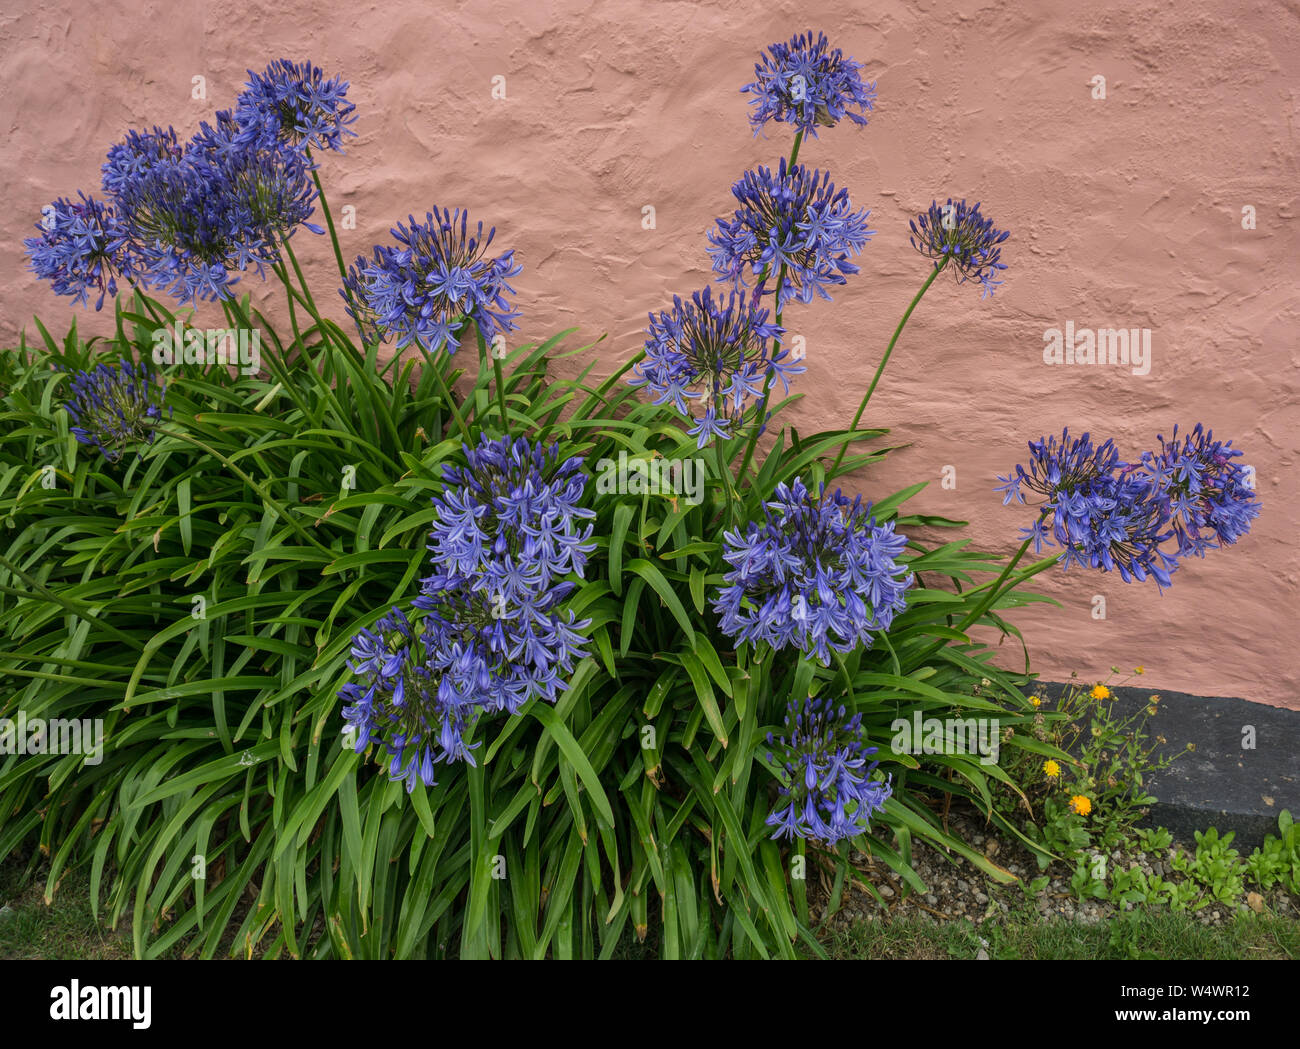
(67, 929)
(1139, 934)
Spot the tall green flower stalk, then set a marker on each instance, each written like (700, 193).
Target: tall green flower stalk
(880, 368)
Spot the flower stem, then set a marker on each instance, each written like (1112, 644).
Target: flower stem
(992, 596)
(761, 417)
(447, 395)
(724, 475)
(885, 359)
(338, 253)
(302, 280)
(794, 153)
(148, 303)
(309, 303)
(288, 296)
(329, 222)
(996, 588)
(242, 320)
(497, 372)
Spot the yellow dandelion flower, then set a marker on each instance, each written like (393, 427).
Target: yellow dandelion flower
(1051, 769)
(1139, 670)
(1100, 692)
(1080, 804)
(1035, 701)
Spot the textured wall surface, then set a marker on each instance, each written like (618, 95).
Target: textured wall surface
(1124, 212)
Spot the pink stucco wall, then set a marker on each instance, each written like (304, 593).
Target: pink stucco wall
(1124, 212)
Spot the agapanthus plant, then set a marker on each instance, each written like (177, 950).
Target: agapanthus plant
(709, 358)
(827, 791)
(436, 281)
(82, 248)
(818, 575)
(809, 85)
(958, 237)
(792, 235)
(1209, 497)
(115, 405)
(301, 106)
(578, 801)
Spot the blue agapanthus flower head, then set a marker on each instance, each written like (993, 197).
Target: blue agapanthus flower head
(266, 186)
(827, 790)
(508, 532)
(298, 104)
(956, 234)
(181, 232)
(402, 702)
(81, 248)
(792, 218)
(437, 280)
(1098, 510)
(115, 405)
(510, 522)
(196, 219)
(136, 153)
(1210, 497)
(805, 83)
(709, 357)
(496, 653)
(818, 574)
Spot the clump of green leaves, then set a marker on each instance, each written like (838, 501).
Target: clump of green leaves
(1153, 839)
(295, 506)
(1215, 866)
(1213, 872)
(1277, 862)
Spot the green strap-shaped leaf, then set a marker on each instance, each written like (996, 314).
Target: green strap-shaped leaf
(651, 574)
(574, 753)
